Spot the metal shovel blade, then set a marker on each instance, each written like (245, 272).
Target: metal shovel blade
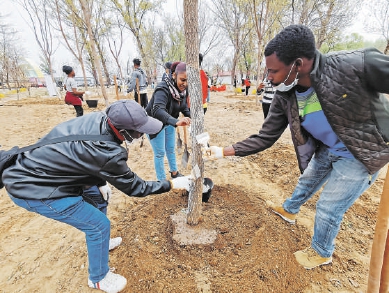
(185, 157)
(179, 143)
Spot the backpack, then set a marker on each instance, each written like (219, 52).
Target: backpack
(8, 158)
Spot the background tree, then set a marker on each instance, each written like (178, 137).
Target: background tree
(134, 14)
(86, 9)
(11, 54)
(67, 22)
(210, 37)
(232, 17)
(267, 16)
(378, 20)
(326, 18)
(115, 39)
(39, 22)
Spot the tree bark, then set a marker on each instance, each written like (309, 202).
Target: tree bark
(96, 59)
(191, 27)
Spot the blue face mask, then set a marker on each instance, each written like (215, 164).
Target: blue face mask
(284, 88)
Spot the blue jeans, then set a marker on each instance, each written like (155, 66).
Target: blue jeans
(345, 180)
(83, 216)
(164, 143)
(93, 196)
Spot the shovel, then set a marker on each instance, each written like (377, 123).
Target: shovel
(185, 155)
(179, 142)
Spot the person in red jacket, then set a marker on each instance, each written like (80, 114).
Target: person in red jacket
(204, 84)
(247, 83)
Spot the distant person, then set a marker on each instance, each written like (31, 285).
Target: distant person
(50, 180)
(167, 72)
(247, 84)
(138, 84)
(168, 101)
(204, 84)
(73, 96)
(338, 117)
(235, 81)
(268, 91)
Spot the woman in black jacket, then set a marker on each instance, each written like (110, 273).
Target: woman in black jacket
(168, 100)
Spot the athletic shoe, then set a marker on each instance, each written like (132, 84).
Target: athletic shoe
(310, 259)
(279, 210)
(112, 283)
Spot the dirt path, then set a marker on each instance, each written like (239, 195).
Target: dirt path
(254, 248)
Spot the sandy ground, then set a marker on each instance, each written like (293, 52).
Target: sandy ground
(253, 251)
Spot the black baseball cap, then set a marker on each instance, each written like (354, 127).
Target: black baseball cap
(129, 115)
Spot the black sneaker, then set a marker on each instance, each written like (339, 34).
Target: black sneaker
(178, 174)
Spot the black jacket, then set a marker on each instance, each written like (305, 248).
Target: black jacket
(62, 169)
(163, 107)
(348, 85)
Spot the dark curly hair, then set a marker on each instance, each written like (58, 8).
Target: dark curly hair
(291, 43)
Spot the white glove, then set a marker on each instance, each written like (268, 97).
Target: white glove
(106, 191)
(181, 182)
(213, 153)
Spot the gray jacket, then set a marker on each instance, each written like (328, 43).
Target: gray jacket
(139, 74)
(62, 169)
(349, 87)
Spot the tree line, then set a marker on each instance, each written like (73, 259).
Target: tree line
(232, 33)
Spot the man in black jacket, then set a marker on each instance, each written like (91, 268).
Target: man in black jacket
(50, 180)
(339, 124)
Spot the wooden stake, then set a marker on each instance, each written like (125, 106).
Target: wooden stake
(379, 260)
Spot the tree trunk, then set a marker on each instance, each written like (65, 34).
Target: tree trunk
(103, 63)
(96, 59)
(191, 27)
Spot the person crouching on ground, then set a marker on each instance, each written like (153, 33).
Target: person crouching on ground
(339, 124)
(73, 96)
(49, 180)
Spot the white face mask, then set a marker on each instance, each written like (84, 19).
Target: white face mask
(284, 88)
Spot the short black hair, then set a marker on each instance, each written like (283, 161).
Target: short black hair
(67, 69)
(136, 61)
(291, 43)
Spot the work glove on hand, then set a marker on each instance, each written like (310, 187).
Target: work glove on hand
(213, 153)
(181, 182)
(106, 191)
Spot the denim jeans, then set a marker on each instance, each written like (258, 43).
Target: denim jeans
(164, 143)
(93, 196)
(83, 216)
(345, 180)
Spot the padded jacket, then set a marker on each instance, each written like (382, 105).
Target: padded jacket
(62, 169)
(349, 86)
